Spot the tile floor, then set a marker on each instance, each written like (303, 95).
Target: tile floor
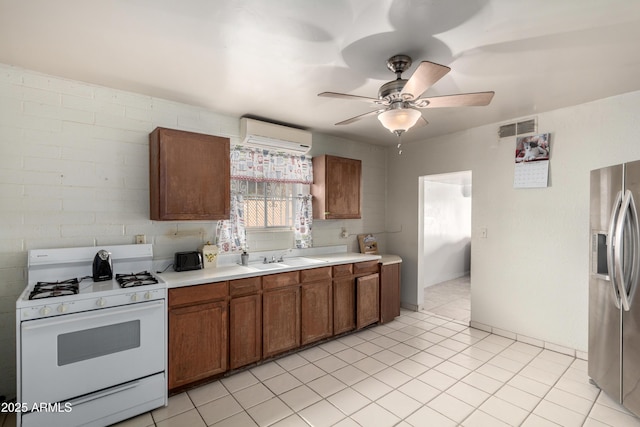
(420, 370)
(423, 369)
(451, 299)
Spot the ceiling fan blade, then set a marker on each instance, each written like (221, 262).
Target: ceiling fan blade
(477, 99)
(361, 116)
(420, 123)
(347, 96)
(423, 78)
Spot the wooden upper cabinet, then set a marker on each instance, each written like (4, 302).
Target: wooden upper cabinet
(189, 176)
(336, 187)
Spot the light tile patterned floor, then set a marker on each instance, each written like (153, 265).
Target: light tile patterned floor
(419, 370)
(451, 299)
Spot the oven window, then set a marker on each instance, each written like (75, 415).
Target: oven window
(95, 342)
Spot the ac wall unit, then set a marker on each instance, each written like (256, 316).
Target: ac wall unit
(269, 136)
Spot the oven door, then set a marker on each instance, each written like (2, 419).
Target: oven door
(68, 356)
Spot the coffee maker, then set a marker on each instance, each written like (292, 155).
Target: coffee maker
(102, 266)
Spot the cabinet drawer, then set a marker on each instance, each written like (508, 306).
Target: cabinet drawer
(274, 281)
(314, 274)
(247, 286)
(198, 293)
(342, 270)
(365, 267)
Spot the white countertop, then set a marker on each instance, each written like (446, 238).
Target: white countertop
(175, 279)
(390, 259)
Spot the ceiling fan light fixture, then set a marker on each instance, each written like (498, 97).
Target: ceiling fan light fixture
(399, 119)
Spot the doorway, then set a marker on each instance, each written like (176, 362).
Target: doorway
(444, 255)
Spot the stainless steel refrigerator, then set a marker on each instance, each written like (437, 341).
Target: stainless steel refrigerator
(614, 306)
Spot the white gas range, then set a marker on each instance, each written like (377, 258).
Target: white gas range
(90, 353)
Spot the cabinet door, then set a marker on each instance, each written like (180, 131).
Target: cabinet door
(197, 342)
(281, 320)
(343, 187)
(245, 330)
(344, 305)
(389, 292)
(189, 176)
(317, 311)
(336, 187)
(367, 300)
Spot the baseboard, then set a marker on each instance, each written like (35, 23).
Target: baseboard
(531, 341)
(411, 307)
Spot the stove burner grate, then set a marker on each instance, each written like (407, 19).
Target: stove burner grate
(135, 279)
(55, 289)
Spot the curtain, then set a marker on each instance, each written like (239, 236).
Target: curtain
(302, 222)
(230, 234)
(253, 164)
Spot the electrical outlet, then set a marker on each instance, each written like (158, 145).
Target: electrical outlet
(141, 239)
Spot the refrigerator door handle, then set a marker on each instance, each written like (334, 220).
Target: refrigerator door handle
(628, 207)
(635, 267)
(610, 249)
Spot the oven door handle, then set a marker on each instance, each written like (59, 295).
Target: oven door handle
(103, 393)
(92, 315)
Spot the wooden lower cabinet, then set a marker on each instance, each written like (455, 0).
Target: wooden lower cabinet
(197, 342)
(367, 300)
(281, 320)
(344, 305)
(245, 321)
(227, 325)
(316, 311)
(389, 292)
(245, 330)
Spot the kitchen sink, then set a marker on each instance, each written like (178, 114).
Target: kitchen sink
(287, 263)
(269, 266)
(301, 261)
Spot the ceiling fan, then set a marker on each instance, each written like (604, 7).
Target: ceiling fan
(401, 98)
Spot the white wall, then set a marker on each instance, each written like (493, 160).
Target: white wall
(74, 172)
(530, 276)
(446, 234)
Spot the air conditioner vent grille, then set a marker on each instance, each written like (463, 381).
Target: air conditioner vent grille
(527, 126)
(507, 130)
(518, 128)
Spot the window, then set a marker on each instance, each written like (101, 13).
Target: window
(270, 204)
(268, 190)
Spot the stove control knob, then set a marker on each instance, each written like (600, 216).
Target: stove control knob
(45, 310)
(101, 302)
(62, 308)
(134, 297)
(147, 295)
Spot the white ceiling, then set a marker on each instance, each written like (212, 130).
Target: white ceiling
(270, 59)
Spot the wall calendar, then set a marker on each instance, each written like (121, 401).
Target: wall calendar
(532, 161)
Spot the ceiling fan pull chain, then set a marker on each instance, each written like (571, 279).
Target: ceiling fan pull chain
(399, 133)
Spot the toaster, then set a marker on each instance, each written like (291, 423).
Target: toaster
(185, 261)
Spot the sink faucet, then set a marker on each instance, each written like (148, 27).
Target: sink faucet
(274, 259)
(282, 255)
